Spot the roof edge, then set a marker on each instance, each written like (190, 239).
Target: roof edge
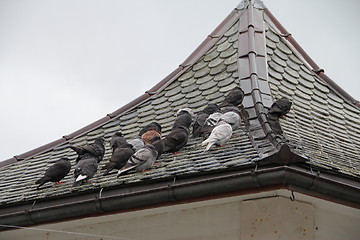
(294, 177)
(316, 69)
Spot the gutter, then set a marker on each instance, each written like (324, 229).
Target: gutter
(175, 191)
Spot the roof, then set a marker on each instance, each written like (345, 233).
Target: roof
(249, 49)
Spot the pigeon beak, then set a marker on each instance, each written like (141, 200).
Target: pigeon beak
(283, 116)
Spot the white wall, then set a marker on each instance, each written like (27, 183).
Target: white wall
(269, 215)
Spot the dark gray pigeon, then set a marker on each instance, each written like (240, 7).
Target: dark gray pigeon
(176, 139)
(183, 118)
(233, 98)
(280, 107)
(95, 149)
(55, 172)
(151, 126)
(200, 118)
(119, 158)
(117, 141)
(141, 160)
(159, 146)
(85, 169)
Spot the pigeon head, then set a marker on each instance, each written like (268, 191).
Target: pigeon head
(281, 107)
(99, 140)
(185, 111)
(119, 134)
(211, 108)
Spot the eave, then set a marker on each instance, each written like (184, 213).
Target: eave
(299, 178)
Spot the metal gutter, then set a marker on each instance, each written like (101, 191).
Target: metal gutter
(295, 177)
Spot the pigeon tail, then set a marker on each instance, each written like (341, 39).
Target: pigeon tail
(126, 170)
(80, 178)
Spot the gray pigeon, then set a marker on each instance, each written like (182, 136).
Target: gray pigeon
(231, 118)
(183, 118)
(213, 119)
(176, 139)
(55, 172)
(151, 126)
(137, 143)
(233, 98)
(200, 118)
(85, 169)
(117, 141)
(119, 158)
(280, 107)
(141, 160)
(219, 135)
(95, 149)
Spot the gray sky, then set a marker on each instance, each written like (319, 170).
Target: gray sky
(67, 63)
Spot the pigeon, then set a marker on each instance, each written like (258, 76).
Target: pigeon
(137, 143)
(117, 140)
(119, 158)
(176, 139)
(159, 146)
(85, 169)
(95, 149)
(233, 98)
(219, 135)
(213, 119)
(148, 136)
(280, 107)
(231, 118)
(151, 126)
(183, 118)
(55, 172)
(141, 160)
(201, 117)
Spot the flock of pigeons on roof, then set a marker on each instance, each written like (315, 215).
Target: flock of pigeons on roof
(215, 123)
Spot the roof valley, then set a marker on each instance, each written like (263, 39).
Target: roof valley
(253, 75)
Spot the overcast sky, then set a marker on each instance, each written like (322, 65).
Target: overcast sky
(67, 63)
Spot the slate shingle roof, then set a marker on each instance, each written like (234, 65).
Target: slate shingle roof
(247, 49)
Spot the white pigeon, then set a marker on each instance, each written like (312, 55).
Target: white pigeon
(219, 135)
(232, 118)
(141, 160)
(213, 119)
